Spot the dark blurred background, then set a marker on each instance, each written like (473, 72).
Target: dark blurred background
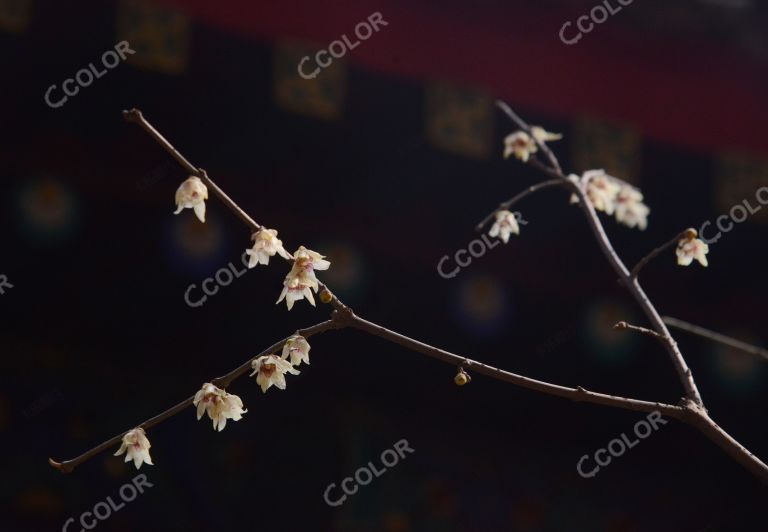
(385, 162)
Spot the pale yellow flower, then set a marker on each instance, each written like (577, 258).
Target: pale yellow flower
(219, 405)
(690, 249)
(522, 145)
(601, 189)
(505, 225)
(136, 446)
(297, 348)
(192, 194)
(270, 370)
(265, 245)
(630, 209)
(301, 280)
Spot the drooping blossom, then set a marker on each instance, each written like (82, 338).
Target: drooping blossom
(301, 280)
(297, 349)
(192, 194)
(630, 209)
(691, 248)
(270, 370)
(219, 405)
(522, 145)
(265, 245)
(601, 189)
(505, 225)
(136, 446)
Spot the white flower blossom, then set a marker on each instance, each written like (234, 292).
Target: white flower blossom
(295, 290)
(522, 145)
(630, 209)
(192, 194)
(505, 225)
(219, 405)
(297, 348)
(601, 189)
(691, 248)
(136, 446)
(301, 280)
(542, 135)
(265, 245)
(270, 370)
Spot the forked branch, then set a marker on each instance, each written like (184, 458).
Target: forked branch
(690, 410)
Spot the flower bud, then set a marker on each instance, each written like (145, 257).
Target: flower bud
(462, 377)
(326, 296)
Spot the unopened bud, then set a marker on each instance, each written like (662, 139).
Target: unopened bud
(325, 295)
(462, 377)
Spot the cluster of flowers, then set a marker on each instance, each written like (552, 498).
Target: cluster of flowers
(219, 405)
(606, 193)
(300, 281)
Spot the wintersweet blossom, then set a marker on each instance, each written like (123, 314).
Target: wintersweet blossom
(301, 280)
(297, 348)
(505, 225)
(265, 245)
(271, 369)
(542, 135)
(601, 189)
(136, 446)
(522, 145)
(219, 405)
(192, 194)
(630, 209)
(690, 248)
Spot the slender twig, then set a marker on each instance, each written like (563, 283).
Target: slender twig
(688, 233)
(469, 365)
(696, 413)
(68, 466)
(690, 410)
(716, 337)
(530, 190)
(624, 326)
(136, 117)
(525, 127)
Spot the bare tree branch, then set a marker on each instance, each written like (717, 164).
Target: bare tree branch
(528, 191)
(525, 127)
(716, 337)
(690, 410)
(688, 233)
(624, 326)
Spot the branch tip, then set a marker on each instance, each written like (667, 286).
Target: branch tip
(64, 467)
(133, 115)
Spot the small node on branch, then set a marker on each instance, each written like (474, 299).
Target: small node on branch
(462, 377)
(621, 326)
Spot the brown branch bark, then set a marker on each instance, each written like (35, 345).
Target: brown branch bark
(528, 191)
(716, 337)
(690, 411)
(656, 252)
